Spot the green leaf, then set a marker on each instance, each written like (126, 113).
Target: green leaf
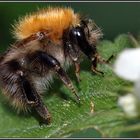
(97, 116)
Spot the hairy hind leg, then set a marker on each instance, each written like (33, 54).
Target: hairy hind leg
(51, 63)
(19, 88)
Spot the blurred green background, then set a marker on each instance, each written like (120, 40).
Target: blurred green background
(113, 17)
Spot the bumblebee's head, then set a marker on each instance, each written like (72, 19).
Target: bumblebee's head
(79, 38)
(82, 38)
(85, 36)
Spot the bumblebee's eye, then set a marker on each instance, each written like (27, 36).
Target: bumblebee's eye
(77, 35)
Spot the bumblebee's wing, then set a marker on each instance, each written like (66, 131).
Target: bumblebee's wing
(41, 35)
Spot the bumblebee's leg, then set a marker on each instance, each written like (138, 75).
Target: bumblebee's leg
(28, 91)
(101, 60)
(53, 64)
(66, 80)
(94, 66)
(73, 52)
(19, 87)
(34, 99)
(43, 112)
(77, 70)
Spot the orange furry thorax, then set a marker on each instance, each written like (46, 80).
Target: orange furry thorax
(54, 19)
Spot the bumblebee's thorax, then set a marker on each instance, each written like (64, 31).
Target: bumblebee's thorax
(55, 20)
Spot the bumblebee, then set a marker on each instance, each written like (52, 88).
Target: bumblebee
(47, 42)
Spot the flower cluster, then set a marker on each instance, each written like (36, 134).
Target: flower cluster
(127, 66)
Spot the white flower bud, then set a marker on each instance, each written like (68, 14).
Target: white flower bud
(129, 105)
(127, 65)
